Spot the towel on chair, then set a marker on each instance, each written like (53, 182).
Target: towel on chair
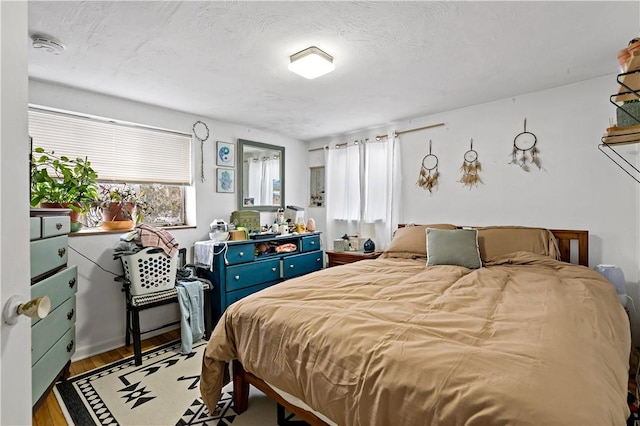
(191, 301)
(154, 237)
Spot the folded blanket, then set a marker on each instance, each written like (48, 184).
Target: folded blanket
(154, 237)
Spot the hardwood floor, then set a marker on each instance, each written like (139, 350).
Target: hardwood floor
(49, 412)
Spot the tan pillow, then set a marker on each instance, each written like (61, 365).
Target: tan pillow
(499, 240)
(410, 242)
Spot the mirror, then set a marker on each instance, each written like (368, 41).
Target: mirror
(261, 176)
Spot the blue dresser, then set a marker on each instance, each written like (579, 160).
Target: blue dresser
(241, 268)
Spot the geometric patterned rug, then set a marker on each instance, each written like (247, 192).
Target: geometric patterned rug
(164, 390)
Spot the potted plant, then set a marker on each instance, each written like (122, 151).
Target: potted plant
(60, 181)
(122, 206)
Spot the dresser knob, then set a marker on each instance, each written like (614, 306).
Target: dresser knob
(241, 254)
(72, 282)
(318, 260)
(273, 269)
(291, 266)
(313, 243)
(62, 251)
(70, 314)
(70, 346)
(237, 277)
(58, 226)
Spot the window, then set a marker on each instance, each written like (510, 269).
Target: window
(155, 162)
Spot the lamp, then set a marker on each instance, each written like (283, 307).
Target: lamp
(311, 63)
(616, 277)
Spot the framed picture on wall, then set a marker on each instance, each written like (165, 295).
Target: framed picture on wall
(225, 180)
(225, 154)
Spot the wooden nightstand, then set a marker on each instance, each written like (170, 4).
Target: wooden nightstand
(343, 257)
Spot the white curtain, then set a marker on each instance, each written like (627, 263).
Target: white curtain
(382, 183)
(342, 191)
(363, 190)
(262, 174)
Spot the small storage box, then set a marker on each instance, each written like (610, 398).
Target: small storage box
(249, 219)
(150, 270)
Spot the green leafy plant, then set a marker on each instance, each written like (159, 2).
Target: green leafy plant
(60, 179)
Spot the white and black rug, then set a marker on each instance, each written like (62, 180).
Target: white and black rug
(164, 390)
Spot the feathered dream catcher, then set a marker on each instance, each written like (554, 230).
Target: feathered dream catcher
(429, 174)
(201, 132)
(525, 151)
(470, 168)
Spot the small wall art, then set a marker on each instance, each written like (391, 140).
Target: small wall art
(525, 143)
(428, 177)
(226, 180)
(225, 154)
(470, 168)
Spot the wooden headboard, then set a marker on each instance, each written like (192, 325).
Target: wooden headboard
(564, 238)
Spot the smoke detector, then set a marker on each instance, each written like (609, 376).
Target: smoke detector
(47, 44)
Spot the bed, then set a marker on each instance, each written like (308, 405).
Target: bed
(413, 338)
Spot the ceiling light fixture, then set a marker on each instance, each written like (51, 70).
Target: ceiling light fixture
(47, 44)
(311, 63)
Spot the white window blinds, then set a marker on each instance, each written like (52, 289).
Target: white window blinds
(117, 152)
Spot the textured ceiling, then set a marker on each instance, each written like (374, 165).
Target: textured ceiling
(394, 60)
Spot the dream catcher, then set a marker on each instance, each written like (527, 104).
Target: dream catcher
(470, 168)
(429, 174)
(201, 132)
(524, 150)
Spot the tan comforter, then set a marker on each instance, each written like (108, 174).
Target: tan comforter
(527, 340)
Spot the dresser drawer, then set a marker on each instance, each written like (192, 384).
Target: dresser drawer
(34, 228)
(55, 225)
(240, 253)
(234, 296)
(51, 363)
(47, 331)
(242, 276)
(311, 243)
(58, 287)
(301, 264)
(48, 254)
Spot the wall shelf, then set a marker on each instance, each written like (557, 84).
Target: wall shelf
(616, 137)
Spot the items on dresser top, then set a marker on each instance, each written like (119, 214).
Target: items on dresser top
(240, 268)
(52, 337)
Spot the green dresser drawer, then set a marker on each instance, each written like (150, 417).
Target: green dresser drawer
(301, 264)
(234, 296)
(50, 365)
(34, 225)
(240, 253)
(55, 225)
(311, 243)
(47, 331)
(48, 254)
(242, 276)
(58, 287)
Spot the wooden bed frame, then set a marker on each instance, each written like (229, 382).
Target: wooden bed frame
(242, 379)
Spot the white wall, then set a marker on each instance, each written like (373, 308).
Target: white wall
(15, 340)
(577, 188)
(100, 303)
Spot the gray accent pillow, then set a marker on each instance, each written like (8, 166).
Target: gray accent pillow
(453, 247)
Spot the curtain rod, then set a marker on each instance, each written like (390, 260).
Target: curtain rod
(386, 136)
(410, 130)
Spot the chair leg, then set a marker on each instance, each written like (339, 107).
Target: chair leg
(137, 346)
(127, 336)
(208, 320)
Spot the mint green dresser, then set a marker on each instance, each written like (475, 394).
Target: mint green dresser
(53, 337)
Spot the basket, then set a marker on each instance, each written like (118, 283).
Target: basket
(150, 270)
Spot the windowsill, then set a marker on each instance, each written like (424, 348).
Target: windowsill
(99, 231)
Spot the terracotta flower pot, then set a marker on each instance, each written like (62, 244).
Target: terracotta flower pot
(73, 215)
(115, 212)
